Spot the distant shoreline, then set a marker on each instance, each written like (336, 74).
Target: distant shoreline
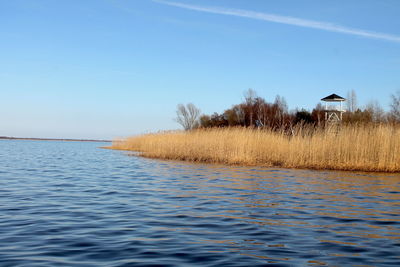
(51, 139)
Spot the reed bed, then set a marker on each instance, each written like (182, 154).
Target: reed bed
(356, 148)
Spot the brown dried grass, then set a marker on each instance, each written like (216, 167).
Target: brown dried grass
(357, 148)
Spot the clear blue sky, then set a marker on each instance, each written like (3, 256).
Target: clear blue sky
(108, 68)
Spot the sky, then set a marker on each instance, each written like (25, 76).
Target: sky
(111, 68)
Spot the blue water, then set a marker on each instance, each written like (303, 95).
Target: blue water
(74, 204)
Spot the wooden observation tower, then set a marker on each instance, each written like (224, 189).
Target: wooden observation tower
(333, 110)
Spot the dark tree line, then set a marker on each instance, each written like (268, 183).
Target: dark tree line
(373, 112)
(255, 111)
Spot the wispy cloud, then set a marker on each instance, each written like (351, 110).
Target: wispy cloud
(325, 26)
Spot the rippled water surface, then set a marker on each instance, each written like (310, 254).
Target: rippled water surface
(74, 204)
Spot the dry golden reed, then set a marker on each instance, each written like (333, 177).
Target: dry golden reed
(361, 148)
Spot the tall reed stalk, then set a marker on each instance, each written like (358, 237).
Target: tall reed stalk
(362, 148)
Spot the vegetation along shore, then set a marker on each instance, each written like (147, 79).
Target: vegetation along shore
(266, 134)
(357, 148)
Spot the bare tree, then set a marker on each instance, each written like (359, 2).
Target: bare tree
(282, 108)
(351, 101)
(250, 99)
(395, 106)
(376, 111)
(188, 116)
(280, 101)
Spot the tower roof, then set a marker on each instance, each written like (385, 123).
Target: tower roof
(333, 97)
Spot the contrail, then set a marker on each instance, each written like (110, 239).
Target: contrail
(325, 26)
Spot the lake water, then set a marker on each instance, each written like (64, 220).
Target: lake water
(74, 204)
